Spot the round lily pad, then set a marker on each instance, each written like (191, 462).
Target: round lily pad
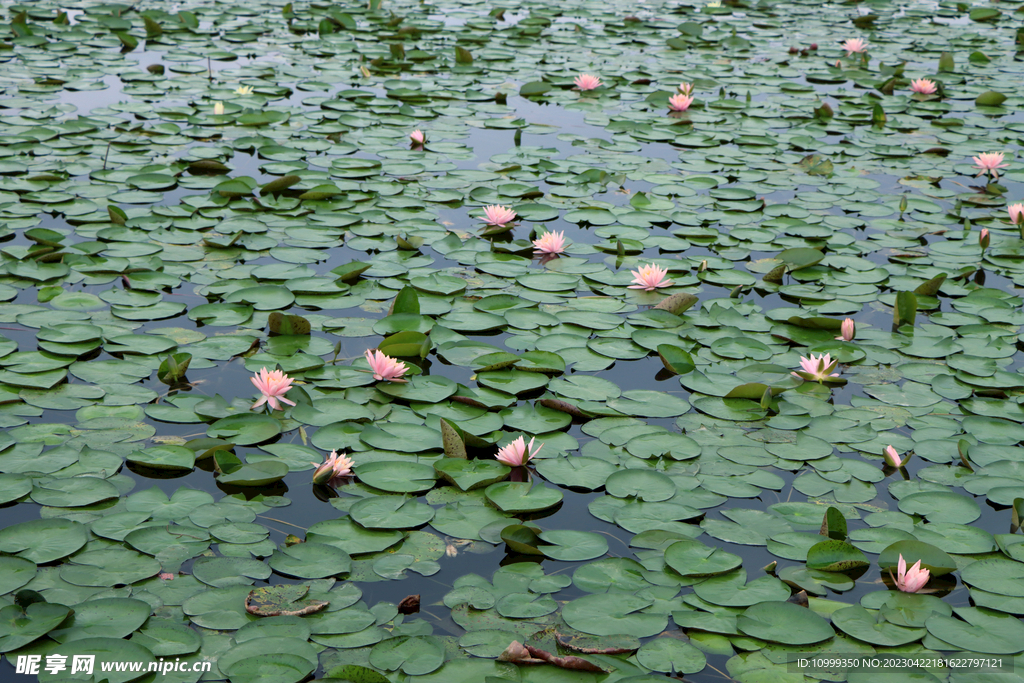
(310, 561)
(572, 546)
(613, 614)
(13, 486)
(857, 622)
(103, 618)
(784, 622)
(471, 474)
(1004, 577)
(397, 476)
(941, 506)
(980, 630)
(165, 458)
(670, 655)
(413, 655)
(643, 484)
(43, 540)
(693, 558)
(732, 590)
(514, 497)
(258, 668)
(245, 429)
(390, 512)
(19, 628)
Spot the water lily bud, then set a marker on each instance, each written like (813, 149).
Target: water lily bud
(847, 331)
(892, 457)
(218, 108)
(983, 239)
(814, 46)
(323, 473)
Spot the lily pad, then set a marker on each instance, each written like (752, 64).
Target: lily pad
(784, 622)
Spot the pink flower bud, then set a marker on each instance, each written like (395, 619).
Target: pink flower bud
(847, 330)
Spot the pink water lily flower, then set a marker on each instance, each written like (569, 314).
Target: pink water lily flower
(892, 458)
(649, 278)
(334, 468)
(854, 46)
(385, 368)
(417, 137)
(499, 215)
(983, 239)
(1016, 213)
(847, 330)
(518, 453)
(989, 162)
(686, 89)
(679, 102)
(910, 580)
(273, 385)
(587, 82)
(817, 368)
(550, 243)
(923, 86)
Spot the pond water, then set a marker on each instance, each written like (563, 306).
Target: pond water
(694, 504)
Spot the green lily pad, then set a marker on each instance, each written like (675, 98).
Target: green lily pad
(19, 628)
(835, 556)
(572, 546)
(693, 558)
(613, 614)
(413, 655)
(471, 474)
(995, 576)
(43, 540)
(857, 622)
(103, 618)
(390, 512)
(245, 429)
(164, 458)
(261, 668)
(669, 655)
(641, 484)
(515, 497)
(983, 631)
(397, 476)
(310, 561)
(784, 622)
